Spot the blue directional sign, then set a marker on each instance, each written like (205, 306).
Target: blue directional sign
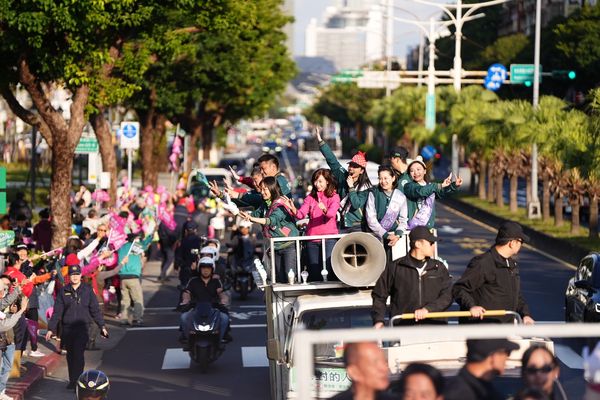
(130, 135)
(495, 77)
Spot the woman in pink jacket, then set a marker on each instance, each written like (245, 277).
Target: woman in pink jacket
(321, 207)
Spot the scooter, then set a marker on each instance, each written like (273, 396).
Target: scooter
(241, 273)
(204, 343)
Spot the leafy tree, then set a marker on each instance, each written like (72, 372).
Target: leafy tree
(505, 50)
(49, 44)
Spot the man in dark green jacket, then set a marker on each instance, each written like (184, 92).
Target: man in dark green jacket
(269, 165)
(399, 161)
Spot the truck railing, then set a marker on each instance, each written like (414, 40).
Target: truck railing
(458, 314)
(297, 240)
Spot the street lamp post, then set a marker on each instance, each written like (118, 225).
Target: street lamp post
(533, 208)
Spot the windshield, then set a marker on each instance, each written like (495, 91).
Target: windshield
(338, 318)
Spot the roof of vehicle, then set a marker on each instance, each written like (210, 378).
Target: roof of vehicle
(307, 302)
(212, 171)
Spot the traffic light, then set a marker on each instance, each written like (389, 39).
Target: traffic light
(528, 83)
(564, 74)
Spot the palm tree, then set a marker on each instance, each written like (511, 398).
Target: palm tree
(547, 172)
(576, 187)
(514, 167)
(558, 186)
(593, 191)
(499, 166)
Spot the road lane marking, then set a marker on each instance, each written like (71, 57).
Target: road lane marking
(170, 328)
(568, 356)
(254, 356)
(489, 228)
(176, 359)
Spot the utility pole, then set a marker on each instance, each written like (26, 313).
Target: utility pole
(533, 208)
(458, 20)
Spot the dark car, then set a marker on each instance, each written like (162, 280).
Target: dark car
(582, 298)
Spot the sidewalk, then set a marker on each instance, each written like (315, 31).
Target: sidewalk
(52, 368)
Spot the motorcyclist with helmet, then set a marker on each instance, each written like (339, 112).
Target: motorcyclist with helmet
(92, 385)
(203, 288)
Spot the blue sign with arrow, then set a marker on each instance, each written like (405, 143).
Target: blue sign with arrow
(495, 77)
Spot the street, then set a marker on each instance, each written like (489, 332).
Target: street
(148, 363)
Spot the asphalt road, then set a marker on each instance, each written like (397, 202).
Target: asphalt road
(148, 364)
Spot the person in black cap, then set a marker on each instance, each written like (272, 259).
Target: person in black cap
(491, 280)
(486, 359)
(183, 253)
(398, 160)
(74, 305)
(417, 283)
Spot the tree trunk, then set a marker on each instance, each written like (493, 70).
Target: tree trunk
(514, 179)
(107, 151)
(500, 190)
(546, 198)
(575, 223)
(490, 183)
(147, 131)
(60, 192)
(558, 210)
(207, 139)
(593, 217)
(192, 149)
(481, 180)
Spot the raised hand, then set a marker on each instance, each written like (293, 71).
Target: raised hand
(236, 176)
(447, 181)
(245, 215)
(318, 133)
(459, 181)
(214, 188)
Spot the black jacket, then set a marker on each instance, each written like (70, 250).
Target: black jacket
(492, 282)
(183, 254)
(408, 290)
(465, 386)
(76, 308)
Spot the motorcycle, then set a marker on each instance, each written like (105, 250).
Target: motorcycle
(241, 273)
(204, 343)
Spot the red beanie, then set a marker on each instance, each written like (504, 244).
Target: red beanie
(360, 159)
(72, 260)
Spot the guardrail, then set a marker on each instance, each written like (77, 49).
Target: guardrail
(458, 314)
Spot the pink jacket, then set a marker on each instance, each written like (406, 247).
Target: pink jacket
(320, 223)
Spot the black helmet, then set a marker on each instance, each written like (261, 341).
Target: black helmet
(92, 383)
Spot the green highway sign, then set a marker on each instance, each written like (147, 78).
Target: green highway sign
(522, 73)
(346, 76)
(87, 145)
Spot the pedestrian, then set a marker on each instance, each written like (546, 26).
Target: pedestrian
(386, 209)
(367, 368)
(184, 258)
(421, 382)
(491, 280)
(75, 304)
(130, 255)
(92, 385)
(417, 283)
(486, 359)
(540, 370)
(422, 195)
(167, 239)
(277, 221)
(352, 185)
(399, 162)
(42, 232)
(7, 337)
(19, 207)
(321, 207)
(22, 229)
(92, 221)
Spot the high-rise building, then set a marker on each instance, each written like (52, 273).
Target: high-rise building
(352, 34)
(519, 16)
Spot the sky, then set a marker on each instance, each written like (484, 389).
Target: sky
(405, 35)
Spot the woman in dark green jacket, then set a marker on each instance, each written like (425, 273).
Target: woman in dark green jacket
(421, 195)
(352, 184)
(277, 221)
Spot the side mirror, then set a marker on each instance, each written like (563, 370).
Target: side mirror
(273, 350)
(585, 285)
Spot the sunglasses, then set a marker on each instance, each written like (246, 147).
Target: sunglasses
(545, 369)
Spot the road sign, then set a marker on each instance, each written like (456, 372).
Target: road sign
(87, 145)
(495, 77)
(379, 79)
(522, 73)
(130, 135)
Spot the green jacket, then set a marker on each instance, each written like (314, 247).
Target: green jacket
(377, 205)
(280, 223)
(353, 199)
(402, 179)
(133, 267)
(416, 195)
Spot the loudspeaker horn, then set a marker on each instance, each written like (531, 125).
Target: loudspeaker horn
(358, 259)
